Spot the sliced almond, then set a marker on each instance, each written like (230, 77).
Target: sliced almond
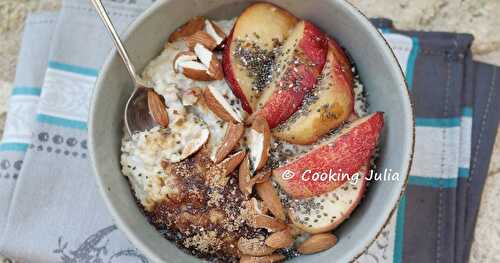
(244, 181)
(317, 243)
(270, 223)
(201, 37)
(195, 143)
(218, 104)
(264, 259)
(214, 31)
(215, 69)
(192, 26)
(259, 141)
(232, 162)
(210, 61)
(233, 134)
(194, 70)
(271, 200)
(157, 108)
(254, 247)
(181, 57)
(282, 239)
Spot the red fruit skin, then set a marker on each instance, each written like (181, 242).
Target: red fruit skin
(346, 153)
(288, 98)
(345, 65)
(341, 69)
(230, 77)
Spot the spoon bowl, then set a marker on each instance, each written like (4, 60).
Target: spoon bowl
(137, 115)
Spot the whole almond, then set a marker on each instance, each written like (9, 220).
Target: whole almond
(265, 259)
(201, 37)
(157, 109)
(231, 162)
(233, 134)
(244, 181)
(317, 243)
(254, 247)
(192, 26)
(270, 223)
(282, 239)
(271, 200)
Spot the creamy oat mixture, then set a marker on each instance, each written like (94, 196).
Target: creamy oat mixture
(143, 154)
(164, 180)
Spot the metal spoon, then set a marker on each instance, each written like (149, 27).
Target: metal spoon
(137, 117)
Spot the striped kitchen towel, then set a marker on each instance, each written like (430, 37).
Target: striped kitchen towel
(51, 211)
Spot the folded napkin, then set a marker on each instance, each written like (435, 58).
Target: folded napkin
(51, 211)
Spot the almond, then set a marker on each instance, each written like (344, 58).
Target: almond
(254, 247)
(214, 31)
(157, 109)
(184, 56)
(253, 207)
(218, 104)
(195, 143)
(264, 259)
(262, 176)
(259, 141)
(271, 200)
(317, 243)
(244, 181)
(231, 162)
(233, 134)
(295, 231)
(215, 69)
(210, 61)
(192, 26)
(201, 37)
(282, 239)
(195, 70)
(270, 223)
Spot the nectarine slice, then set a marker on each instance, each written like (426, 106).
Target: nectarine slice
(326, 107)
(249, 53)
(343, 153)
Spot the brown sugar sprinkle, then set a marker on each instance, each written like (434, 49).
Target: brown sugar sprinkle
(202, 218)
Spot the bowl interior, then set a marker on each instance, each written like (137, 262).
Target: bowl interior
(379, 71)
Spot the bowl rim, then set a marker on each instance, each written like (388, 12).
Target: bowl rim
(121, 222)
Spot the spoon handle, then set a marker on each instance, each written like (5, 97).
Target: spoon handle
(116, 40)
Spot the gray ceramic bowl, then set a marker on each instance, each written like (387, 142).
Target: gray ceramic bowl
(376, 63)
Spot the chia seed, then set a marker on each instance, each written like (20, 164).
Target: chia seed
(259, 62)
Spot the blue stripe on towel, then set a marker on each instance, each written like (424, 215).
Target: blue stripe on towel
(438, 122)
(13, 147)
(73, 69)
(57, 121)
(400, 223)
(26, 91)
(432, 182)
(463, 172)
(467, 112)
(410, 65)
